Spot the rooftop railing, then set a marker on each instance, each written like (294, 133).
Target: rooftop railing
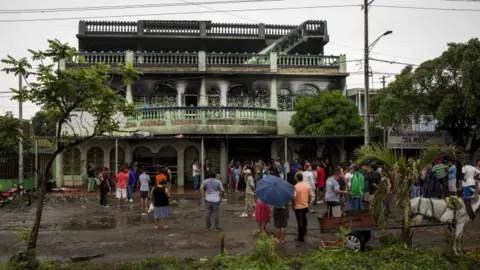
(192, 59)
(196, 28)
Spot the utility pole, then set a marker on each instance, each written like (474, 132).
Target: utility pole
(20, 142)
(366, 69)
(383, 81)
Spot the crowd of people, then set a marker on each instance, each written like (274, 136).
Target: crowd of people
(346, 187)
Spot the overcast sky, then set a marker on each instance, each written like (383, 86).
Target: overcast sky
(418, 34)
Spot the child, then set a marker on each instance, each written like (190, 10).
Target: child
(262, 215)
(236, 175)
(280, 220)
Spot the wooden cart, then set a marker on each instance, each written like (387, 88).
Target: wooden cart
(361, 223)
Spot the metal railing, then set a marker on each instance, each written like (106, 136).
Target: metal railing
(165, 116)
(211, 59)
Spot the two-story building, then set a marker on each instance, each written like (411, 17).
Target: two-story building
(220, 91)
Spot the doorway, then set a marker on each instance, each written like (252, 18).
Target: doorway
(191, 100)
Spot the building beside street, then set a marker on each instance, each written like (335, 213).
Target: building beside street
(227, 90)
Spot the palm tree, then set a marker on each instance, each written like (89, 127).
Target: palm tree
(402, 173)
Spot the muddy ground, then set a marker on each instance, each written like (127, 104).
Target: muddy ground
(79, 226)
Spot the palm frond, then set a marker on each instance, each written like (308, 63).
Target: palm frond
(378, 205)
(378, 154)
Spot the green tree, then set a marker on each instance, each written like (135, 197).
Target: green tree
(446, 88)
(60, 92)
(402, 174)
(329, 113)
(43, 125)
(10, 134)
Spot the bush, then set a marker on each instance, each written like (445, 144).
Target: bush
(263, 257)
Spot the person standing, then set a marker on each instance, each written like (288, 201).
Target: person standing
(212, 192)
(452, 178)
(374, 182)
(169, 174)
(104, 187)
(280, 220)
(144, 180)
(160, 198)
(236, 175)
(440, 173)
(91, 177)
(301, 201)
(309, 179)
(320, 182)
(230, 181)
(262, 215)
(469, 186)
(249, 193)
(333, 192)
(132, 180)
(196, 173)
(357, 185)
(121, 185)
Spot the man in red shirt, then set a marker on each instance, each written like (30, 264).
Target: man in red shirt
(121, 181)
(320, 182)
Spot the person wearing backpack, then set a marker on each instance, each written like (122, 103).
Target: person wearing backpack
(357, 185)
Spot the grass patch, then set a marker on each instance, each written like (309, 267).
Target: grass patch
(263, 257)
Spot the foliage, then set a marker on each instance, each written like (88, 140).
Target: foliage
(392, 258)
(444, 88)
(43, 125)
(343, 233)
(24, 235)
(329, 113)
(60, 92)
(10, 134)
(402, 175)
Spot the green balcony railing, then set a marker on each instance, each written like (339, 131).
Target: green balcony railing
(171, 116)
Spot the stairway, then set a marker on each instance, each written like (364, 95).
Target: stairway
(295, 37)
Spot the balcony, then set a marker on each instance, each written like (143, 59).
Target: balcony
(204, 120)
(193, 35)
(178, 62)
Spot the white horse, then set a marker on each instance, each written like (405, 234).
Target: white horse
(437, 209)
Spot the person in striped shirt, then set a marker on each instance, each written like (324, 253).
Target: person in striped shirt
(440, 173)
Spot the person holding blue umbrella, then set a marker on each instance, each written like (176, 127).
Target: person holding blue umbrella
(271, 190)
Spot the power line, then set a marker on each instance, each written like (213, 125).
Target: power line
(393, 62)
(430, 8)
(358, 49)
(213, 9)
(177, 13)
(96, 8)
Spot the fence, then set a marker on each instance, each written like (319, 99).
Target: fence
(9, 169)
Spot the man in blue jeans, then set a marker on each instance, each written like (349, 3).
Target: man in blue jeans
(212, 192)
(196, 174)
(132, 180)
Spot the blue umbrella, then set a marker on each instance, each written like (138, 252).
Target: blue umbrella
(273, 190)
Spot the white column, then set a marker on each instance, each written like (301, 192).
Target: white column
(274, 150)
(202, 158)
(203, 93)
(181, 168)
(128, 152)
(273, 94)
(59, 170)
(273, 62)
(106, 157)
(129, 60)
(116, 156)
(202, 61)
(223, 87)
(223, 161)
(181, 86)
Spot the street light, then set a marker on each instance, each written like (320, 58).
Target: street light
(368, 49)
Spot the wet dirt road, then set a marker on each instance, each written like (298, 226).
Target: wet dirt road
(79, 226)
